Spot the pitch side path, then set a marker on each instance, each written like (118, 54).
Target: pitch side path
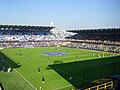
(72, 68)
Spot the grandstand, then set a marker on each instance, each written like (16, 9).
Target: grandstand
(68, 59)
(22, 35)
(34, 36)
(97, 39)
(97, 34)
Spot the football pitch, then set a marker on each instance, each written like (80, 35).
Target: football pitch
(62, 68)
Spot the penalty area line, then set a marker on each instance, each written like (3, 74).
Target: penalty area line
(25, 79)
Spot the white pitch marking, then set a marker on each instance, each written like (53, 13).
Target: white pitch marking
(25, 79)
(22, 76)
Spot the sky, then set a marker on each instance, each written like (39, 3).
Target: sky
(66, 14)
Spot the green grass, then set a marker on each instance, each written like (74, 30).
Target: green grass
(83, 69)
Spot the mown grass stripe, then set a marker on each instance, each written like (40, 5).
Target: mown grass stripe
(26, 79)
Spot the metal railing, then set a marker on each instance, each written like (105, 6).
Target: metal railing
(103, 86)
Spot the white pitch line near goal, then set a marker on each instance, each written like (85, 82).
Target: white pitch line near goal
(62, 87)
(25, 79)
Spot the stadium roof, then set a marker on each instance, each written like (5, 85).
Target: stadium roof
(26, 27)
(106, 30)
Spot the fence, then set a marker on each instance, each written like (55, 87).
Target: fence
(104, 86)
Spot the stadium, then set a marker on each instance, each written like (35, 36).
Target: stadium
(34, 57)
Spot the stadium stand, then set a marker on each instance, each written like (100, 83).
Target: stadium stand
(111, 34)
(96, 39)
(22, 36)
(35, 36)
(24, 33)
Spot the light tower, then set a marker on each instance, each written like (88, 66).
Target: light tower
(52, 23)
